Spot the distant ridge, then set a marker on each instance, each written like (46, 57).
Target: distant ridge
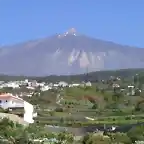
(92, 76)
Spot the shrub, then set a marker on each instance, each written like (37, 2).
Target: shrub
(94, 106)
(59, 109)
(127, 118)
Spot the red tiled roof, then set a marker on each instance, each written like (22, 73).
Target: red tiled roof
(5, 97)
(9, 96)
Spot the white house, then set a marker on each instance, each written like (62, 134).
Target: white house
(30, 87)
(26, 81)
(115, 85)
(10, 84)
(88, 84)
(62, 83)
(131, 86)
(74, 85)
(8, 101)
(45, 88)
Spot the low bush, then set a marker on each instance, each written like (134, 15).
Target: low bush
(59, 110)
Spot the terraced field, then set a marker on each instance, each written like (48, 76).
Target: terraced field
(71, 106)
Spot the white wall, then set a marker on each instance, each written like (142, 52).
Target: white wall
(4, 103)
(10, 103)
(28, 115)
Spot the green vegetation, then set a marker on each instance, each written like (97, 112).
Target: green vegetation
(13, 133)
(103, 103)
(134, 135)
(93, 76)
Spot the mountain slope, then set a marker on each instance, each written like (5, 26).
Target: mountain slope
(68, 53)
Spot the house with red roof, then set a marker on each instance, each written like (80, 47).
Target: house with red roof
(9, 101)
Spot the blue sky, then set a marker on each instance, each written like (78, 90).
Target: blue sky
(120, 21)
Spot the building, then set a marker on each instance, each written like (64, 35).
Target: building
(10, 85)
(45, 88)
(8, 101)
(88, 84)
(62, 84)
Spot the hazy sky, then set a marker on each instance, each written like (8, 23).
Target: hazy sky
(121, 21)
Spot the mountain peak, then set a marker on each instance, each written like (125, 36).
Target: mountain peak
(71, 31)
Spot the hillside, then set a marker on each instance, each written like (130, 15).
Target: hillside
(93, 76)
(76, 106)
(67, 53)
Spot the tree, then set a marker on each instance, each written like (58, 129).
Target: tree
(95, 106)
(136, 133)
(65, 138)
(86, 138)
(96, 139)
(13, 133)
(120, 138)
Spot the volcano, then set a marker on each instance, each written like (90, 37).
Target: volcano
(67, 53)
